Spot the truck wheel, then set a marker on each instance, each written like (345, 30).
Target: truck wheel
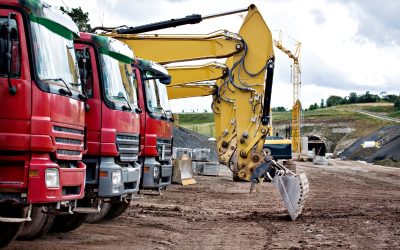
(236, 178)
(9, 231)
(116, 210)
(96, 217)
(38, 226)
(68, 222)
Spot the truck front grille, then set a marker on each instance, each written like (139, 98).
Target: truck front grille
(69, 142)
(128, 147)
(164, 147)
(68, 152)
(68, 130)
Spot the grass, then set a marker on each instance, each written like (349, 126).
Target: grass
(207, 129)
(395, 114)
(195, 118)
(203, 123)
(380, 109)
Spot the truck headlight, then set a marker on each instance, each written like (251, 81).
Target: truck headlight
(52, 178)
(156, 172)
(116, 177)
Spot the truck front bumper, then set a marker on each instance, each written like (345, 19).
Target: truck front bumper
(110, 185)
(156, 175)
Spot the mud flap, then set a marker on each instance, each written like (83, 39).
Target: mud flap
(183, 172)
(294, 190)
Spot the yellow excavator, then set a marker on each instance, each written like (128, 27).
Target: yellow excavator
(241, 99)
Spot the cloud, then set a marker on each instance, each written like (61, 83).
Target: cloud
(319, 17)
(378, 21)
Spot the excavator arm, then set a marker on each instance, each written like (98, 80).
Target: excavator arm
(176, 48)
(189, 81)
(181, 75)
(241, 99)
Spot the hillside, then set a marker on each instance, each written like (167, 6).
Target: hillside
(342, 127)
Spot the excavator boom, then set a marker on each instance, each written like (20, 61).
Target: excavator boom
(176, 48)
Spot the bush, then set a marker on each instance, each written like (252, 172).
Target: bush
(397, 104)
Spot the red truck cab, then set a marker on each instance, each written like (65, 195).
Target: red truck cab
(112, 120)
(41, 116)
(156, 125)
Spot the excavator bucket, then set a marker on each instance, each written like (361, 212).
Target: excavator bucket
(183, 173)
(294, 190)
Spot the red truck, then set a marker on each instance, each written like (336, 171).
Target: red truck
(113, 127)
(155, 125)
(42, 118)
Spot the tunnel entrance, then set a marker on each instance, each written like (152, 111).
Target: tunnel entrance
(317, 144)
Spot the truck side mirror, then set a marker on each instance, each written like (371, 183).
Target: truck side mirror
(165, 80)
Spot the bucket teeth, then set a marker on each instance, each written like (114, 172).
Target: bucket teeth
(294, 191)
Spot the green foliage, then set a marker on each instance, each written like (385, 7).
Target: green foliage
(279, 109)
(353, 98)
(322, 105)
(334, 100)
(397, 104)
(364, 98)
(80, 18)
(391, 98)
(313, 106)
(395, 114)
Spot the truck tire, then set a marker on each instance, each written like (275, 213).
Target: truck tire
(96, 217)
(38, 226)
(116, 210)
(68, 222)
(9, 231)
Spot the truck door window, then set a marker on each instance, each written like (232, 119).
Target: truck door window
(15, 49)
(89, 72)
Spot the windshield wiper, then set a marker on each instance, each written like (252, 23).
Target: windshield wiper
(62, 91)
(124, 107)
(164, 116)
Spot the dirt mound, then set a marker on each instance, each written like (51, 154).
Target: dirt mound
(185, 138)
(388, 137)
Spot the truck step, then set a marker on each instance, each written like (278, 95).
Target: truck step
(86, 210)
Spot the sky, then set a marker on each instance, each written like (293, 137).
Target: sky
(346, 45)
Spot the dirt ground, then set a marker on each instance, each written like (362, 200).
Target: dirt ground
(351, 205)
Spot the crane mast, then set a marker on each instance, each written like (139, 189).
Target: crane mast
(296, 80)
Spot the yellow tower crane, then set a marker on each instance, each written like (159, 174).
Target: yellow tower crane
(296, 79)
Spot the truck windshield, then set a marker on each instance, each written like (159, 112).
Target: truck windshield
(119, 80)
(54, 57)
(157, 97)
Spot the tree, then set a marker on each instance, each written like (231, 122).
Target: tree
(279, 109)
(322, 104)
(313, 106)
(391, 98)
(353, 98)
(334, 100)
(79, 17)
